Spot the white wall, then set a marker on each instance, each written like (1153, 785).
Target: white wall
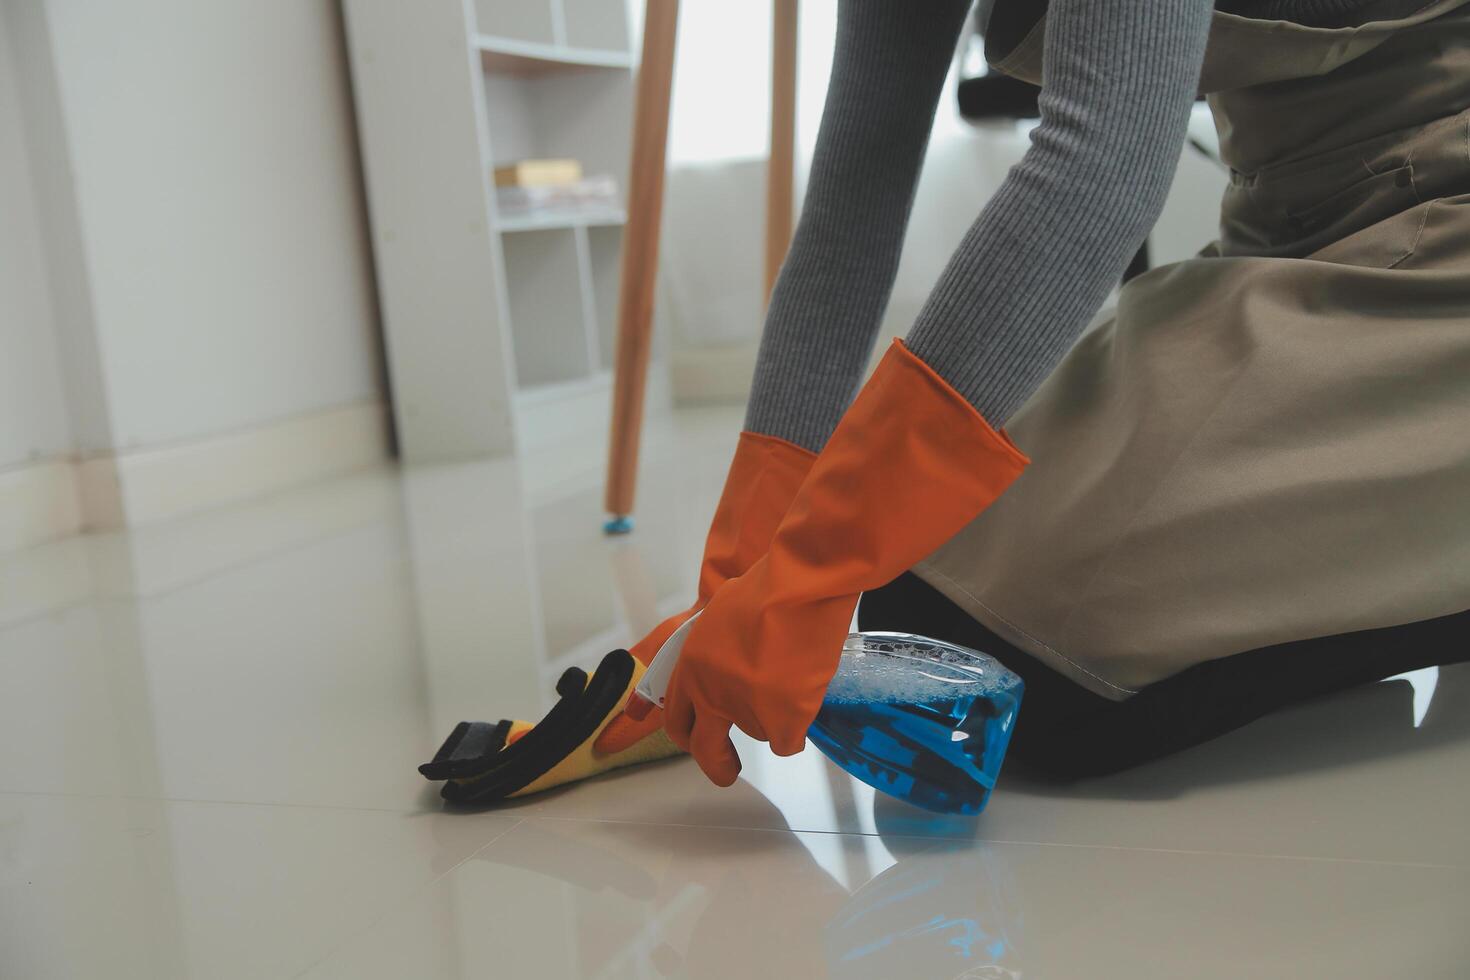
(33, 412)
(187, 308)
(218, 192)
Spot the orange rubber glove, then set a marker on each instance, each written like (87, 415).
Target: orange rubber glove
(588, 732)
(911, 463)
(764, 476)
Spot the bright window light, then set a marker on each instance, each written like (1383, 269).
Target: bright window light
(722, 79)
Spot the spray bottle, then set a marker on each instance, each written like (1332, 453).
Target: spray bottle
(919, 719)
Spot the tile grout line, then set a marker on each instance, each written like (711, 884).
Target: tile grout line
(1422, 865)
(1260, 855)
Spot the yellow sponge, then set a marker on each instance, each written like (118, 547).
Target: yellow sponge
(585, 734)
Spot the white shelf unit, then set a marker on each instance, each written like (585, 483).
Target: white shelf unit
(508, 56)
(499, 327)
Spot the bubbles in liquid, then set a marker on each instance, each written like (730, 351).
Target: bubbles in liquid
(899, 668)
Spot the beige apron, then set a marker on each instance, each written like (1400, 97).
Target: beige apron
(1269, 442)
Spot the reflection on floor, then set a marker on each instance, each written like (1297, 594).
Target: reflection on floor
(208, 733)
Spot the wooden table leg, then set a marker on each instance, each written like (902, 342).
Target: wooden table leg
(640, 257)
(781, 163)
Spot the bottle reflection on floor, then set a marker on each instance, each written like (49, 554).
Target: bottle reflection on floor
(953, 917)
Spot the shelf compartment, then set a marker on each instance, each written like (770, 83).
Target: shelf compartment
(561, 116)
(520, 21)
(596, 24)
(511, 56)
(547, 309)
(604, 260)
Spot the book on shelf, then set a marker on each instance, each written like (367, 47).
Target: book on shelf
(538, 173)
(587, 197)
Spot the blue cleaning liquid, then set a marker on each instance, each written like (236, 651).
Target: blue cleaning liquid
(922, 720)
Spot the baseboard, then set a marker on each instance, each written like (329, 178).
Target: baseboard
(554, 414)
(713, 376)
(139, 487)
(38, 502)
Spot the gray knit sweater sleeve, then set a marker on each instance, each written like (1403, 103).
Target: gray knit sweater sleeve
(1037, 265)
(888, 68)
(1038, 262)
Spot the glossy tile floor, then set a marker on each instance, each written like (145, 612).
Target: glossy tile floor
(208, 734)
